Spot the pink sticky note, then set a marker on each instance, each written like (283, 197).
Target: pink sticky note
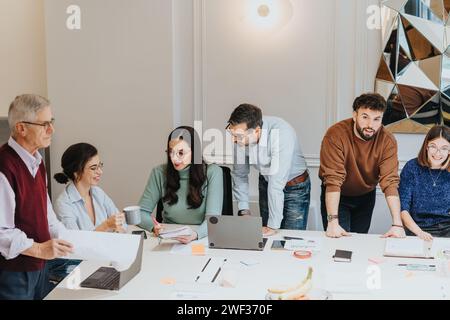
(377, 260)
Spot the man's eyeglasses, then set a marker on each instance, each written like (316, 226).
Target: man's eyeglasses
(179, 154)
(45, 124)
(96, 167)
(238, 136)
(434, 149)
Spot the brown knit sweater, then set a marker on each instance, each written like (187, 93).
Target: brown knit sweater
(353, 166)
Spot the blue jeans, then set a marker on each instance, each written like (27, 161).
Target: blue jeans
(32, 285)
(58, 269)
(296, 204)
(355, 213)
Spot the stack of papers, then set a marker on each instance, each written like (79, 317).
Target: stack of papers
(407, 247)
(171, 233)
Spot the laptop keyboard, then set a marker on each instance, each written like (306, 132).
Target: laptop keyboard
(103, 278)
(110, 282)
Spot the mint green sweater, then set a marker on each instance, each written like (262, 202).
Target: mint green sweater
(179, 213)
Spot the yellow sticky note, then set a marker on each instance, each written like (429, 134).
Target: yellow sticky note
(198, 249)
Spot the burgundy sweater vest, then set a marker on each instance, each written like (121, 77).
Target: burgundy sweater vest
(30, 214)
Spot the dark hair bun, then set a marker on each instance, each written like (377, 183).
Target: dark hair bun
(61, 178)
(73, 161)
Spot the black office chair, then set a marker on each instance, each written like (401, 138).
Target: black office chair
(227, 205)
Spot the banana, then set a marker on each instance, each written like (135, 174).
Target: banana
(294, 292)
(282, 289)
(298, 293)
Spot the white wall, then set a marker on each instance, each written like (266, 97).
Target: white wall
(308, 71)
(22, 50)
(111, 85)
(283, 68)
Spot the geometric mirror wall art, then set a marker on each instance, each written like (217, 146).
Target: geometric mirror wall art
(414, 69)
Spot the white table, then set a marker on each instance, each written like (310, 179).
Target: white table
(343, 280)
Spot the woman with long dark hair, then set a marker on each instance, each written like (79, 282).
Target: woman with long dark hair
(188, 188)
(425, 185)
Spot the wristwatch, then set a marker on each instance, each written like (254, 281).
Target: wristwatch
(331, 217)
(244, 212)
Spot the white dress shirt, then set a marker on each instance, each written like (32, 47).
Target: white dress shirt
(14, 241)
(71, 208)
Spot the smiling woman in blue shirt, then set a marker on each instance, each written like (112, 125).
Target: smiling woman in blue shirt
(424, 187)
(83, 205)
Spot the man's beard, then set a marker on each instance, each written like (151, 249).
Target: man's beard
(361, 132)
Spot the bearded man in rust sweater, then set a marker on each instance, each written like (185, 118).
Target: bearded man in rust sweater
(357, 154)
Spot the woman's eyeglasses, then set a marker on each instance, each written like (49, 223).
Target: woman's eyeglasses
(96, 167)
(179, 154)
(434, 149)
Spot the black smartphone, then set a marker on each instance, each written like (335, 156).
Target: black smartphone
(140, 232)
(278, 244)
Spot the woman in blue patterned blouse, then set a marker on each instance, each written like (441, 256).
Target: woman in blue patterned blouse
(425, 187)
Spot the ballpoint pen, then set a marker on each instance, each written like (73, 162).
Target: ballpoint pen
(155, 223)
(203, 269)
(218, 271)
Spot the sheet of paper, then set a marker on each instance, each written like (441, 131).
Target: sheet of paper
(118, 248)
(249, 262)
(310, 244)
(192, 291)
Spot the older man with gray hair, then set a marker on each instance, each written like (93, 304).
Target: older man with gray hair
(28, 224)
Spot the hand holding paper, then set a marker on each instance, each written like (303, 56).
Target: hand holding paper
(186, 239)
(174, 232)
(50, 249)
(118, 248)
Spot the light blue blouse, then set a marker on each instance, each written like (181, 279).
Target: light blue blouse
(71, 208)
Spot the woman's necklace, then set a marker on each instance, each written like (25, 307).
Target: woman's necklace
(435, 180)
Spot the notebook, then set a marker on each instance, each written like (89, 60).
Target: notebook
(410, 247)
(342, 256)
(173, 232)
